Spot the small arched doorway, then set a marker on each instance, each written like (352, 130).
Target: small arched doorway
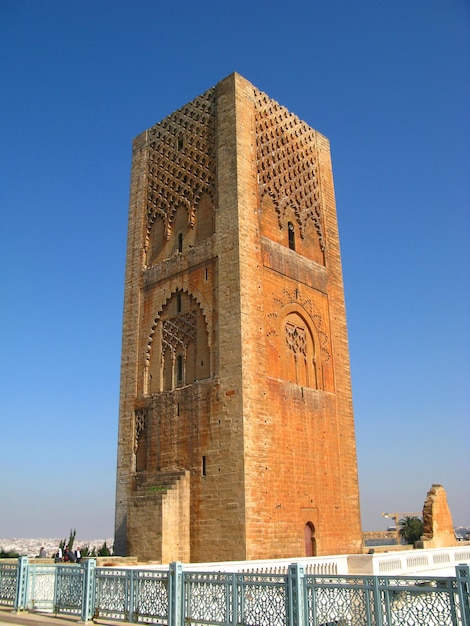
(310, 541)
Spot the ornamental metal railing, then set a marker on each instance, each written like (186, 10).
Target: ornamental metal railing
(387, 601)
(132, 595)
(8, 579)
(175, 597)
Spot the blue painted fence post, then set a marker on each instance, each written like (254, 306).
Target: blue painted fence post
(88, 598)
(175, 594)
(21, 584)
(296, 596)
(375, 610)
(130, 595)
(463, 584)
(233, 591)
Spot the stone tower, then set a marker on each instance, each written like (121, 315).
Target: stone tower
(236, 428)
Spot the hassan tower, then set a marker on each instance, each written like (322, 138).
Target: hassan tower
(236, 429)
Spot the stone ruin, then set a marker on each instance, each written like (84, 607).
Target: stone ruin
(438, 529)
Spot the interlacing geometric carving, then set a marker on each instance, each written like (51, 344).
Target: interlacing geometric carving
(307, 305)
(178, 331)
(287, 164)
(296, 339)
(181, 163)
(140, 421)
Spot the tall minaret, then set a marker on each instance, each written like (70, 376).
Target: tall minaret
(236, 427)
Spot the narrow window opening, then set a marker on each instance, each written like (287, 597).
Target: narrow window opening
(291, 235)
(310, 540)
(180, 144)
(180, 242)
(179, 368)
(207, 274)
(178, 408)
(204, 466)
(178, 302)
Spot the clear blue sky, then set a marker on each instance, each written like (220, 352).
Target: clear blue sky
(387, 82)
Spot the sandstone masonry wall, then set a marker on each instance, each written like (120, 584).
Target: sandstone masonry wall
(236, 433)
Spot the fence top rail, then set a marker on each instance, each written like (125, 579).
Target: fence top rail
(9, 566)
(238, 577)
(435, 561)
(262, 566)
(436, 582)
(123, 572)
(416, 561)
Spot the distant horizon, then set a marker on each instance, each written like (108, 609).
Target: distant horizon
(106, 538)
(60, 537)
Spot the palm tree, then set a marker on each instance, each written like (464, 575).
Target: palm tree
(410, 529)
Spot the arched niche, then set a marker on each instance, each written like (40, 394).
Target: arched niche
(178, 351)
(310, 244)
(169, 235)
(269, 220)
(140, 440)
(204, 219)
(299, 350)
(291, 228)
(310, 540)
(157, 245)
(182, 232)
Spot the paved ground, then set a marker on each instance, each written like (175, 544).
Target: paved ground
(7, 617)
(33, 619)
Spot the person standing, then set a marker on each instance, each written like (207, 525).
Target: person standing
(58, 555)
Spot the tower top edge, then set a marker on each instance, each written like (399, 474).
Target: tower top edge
(235, 82)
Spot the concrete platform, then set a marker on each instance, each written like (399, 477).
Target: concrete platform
(24, 618)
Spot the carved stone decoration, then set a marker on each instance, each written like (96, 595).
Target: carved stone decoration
(179, 331)
(140, 425)
(287, 164)
(296, 339)
(306, 304)
(181, 163)
(178, 348)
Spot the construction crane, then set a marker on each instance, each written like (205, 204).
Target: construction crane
(397, 517)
